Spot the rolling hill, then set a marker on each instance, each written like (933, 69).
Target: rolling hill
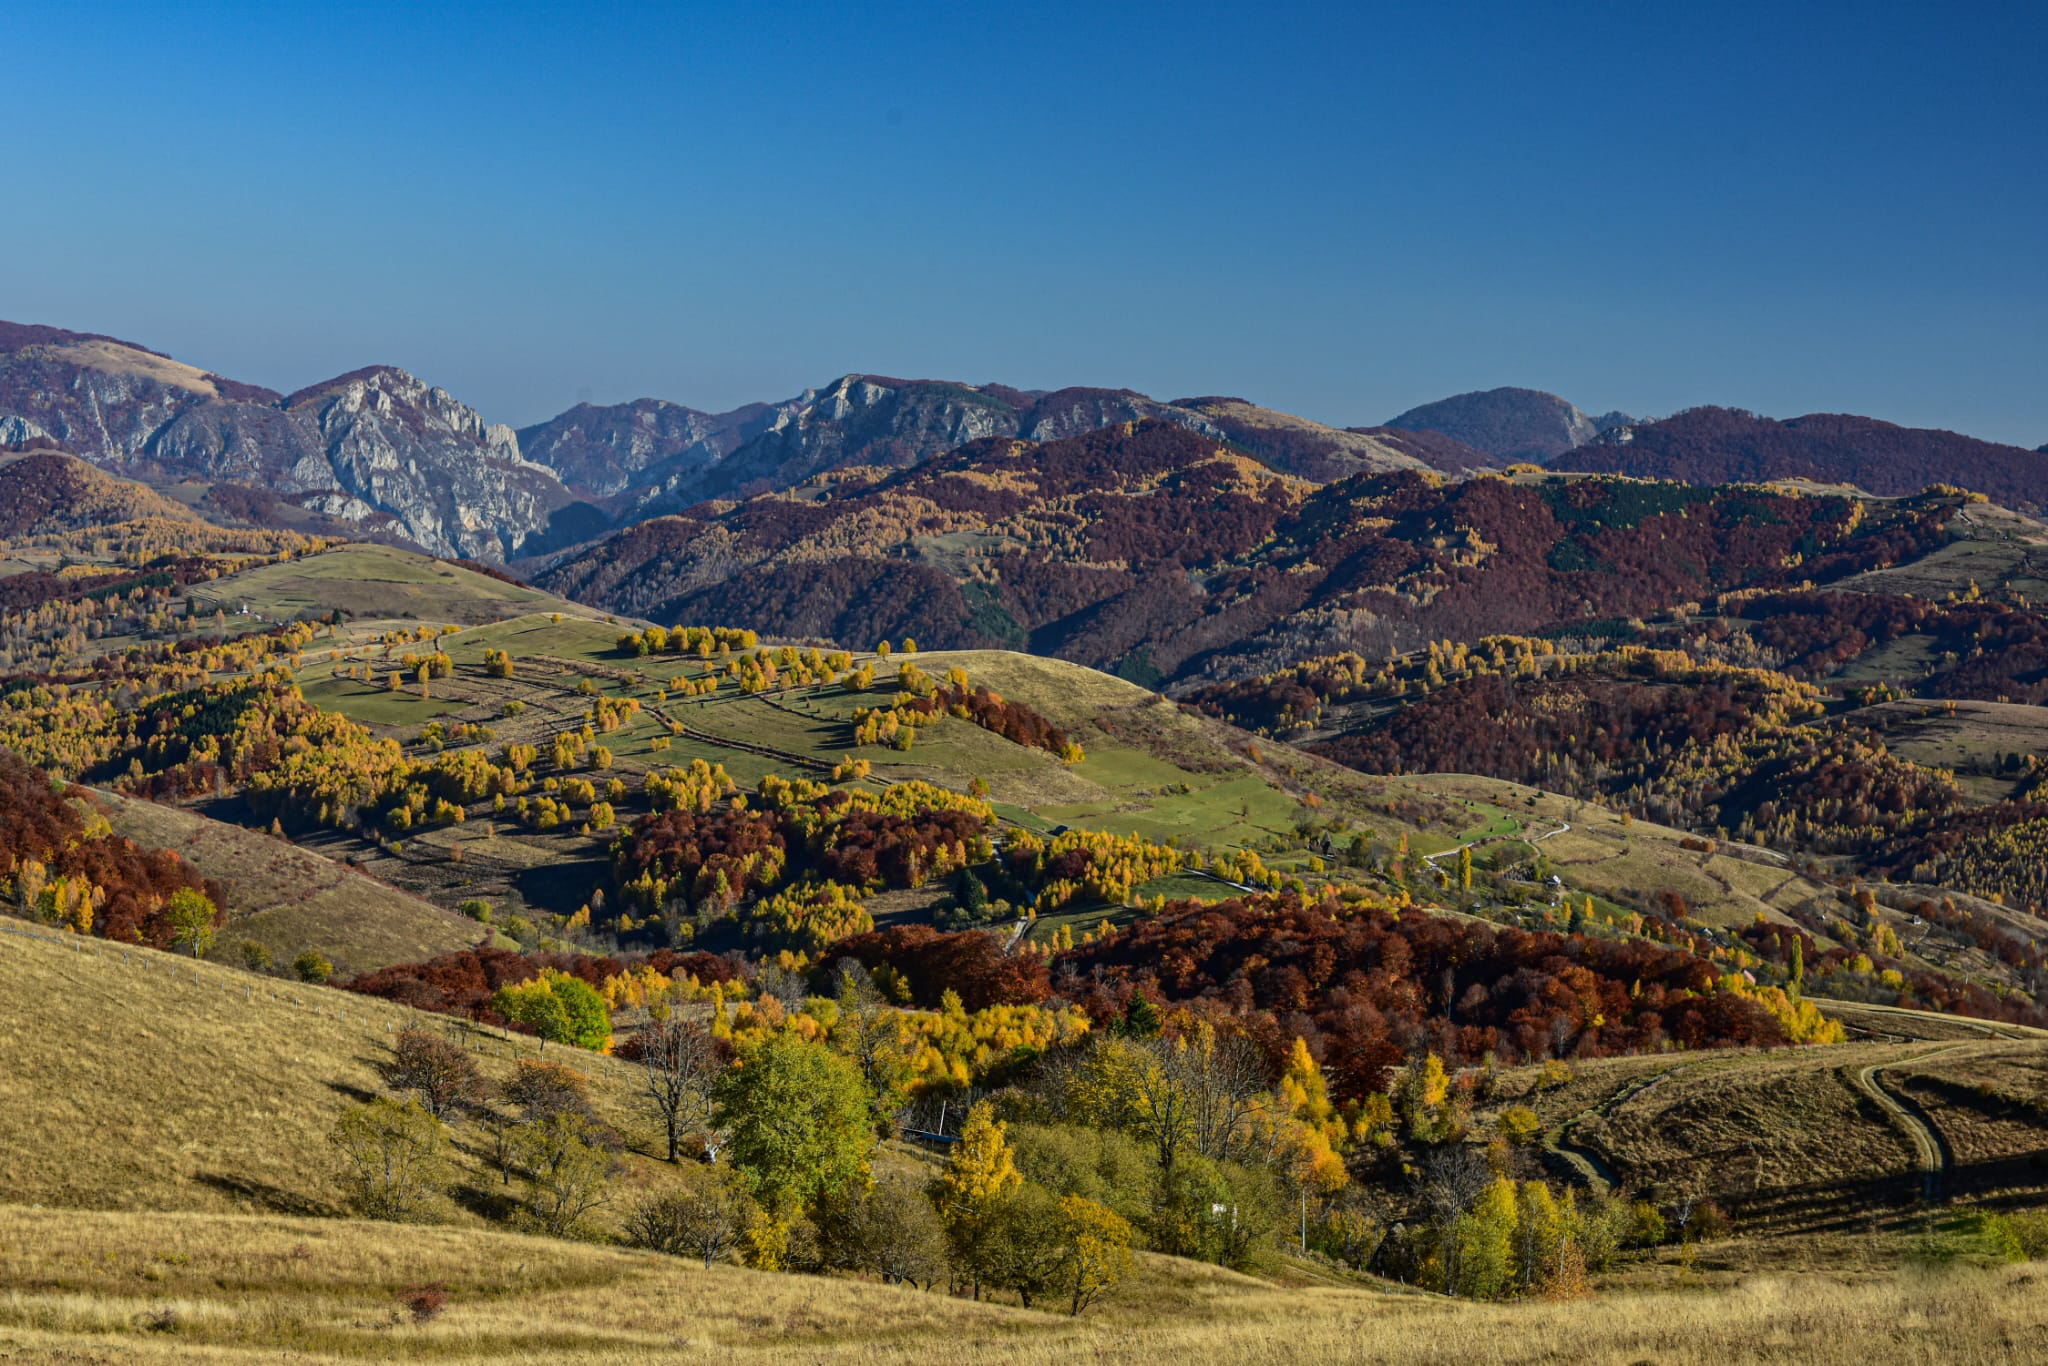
(1308, 901)
(374, 582)
(48, 491)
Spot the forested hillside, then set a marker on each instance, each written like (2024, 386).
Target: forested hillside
(1165, 557)
(1727, 445)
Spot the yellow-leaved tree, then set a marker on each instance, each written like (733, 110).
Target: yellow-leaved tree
(980, 1177)
(1097, 1247)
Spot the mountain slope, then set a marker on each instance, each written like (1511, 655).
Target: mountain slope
(1164, 555)
(1314, 451)
(1508, 424)
(606, 450)
(1726, 445)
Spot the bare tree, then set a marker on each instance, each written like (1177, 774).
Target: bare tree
(679, 1061)
(438, 1071)
(707, 1222)
(1158, 1101)
(1222, 1073)
(1450, 1183)
(1195, 1090)
(789, 988)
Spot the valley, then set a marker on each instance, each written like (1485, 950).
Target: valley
(1521, 898)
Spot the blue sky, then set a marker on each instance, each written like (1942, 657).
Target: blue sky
(1341, 211)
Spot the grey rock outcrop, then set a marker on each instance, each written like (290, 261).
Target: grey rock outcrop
(377, 446)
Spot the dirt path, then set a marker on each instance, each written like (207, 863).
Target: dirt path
(1930, 1150)
(1990, 1029)
(1590, 1166)
(1430, 859)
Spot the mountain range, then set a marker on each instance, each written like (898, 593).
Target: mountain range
(387, 453)
(381, 453)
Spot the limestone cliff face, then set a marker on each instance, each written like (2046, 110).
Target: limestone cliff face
(456, 484)
(378, 448)
(856, 420)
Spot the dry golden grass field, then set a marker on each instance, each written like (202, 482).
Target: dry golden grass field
(288, 899)
(188, 1217)
(119, 1288)
(139, 1080)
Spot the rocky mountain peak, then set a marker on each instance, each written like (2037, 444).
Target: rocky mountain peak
(1509, 423)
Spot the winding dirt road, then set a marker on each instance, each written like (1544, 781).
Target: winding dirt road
(1929, 1148)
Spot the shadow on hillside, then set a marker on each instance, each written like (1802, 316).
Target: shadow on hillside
(1879, 1201)
(359, 1094)
(561, 888)
(495, 1203)
(263, 1195)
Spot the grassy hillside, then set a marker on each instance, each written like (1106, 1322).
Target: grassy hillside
(288, 899)
(1150, 767)
(372, 581)
(216, 1090)
(2002, 552)
(197, 1246)
(152, 1288)
(1592, 848)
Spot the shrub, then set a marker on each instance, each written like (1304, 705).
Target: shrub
(2030, 1229)
(1973, 1238)
(424, 1302)
(568, 1165)
(1704, 1222)
(888, 1230)
(1520, 1126)
(394, 1158)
